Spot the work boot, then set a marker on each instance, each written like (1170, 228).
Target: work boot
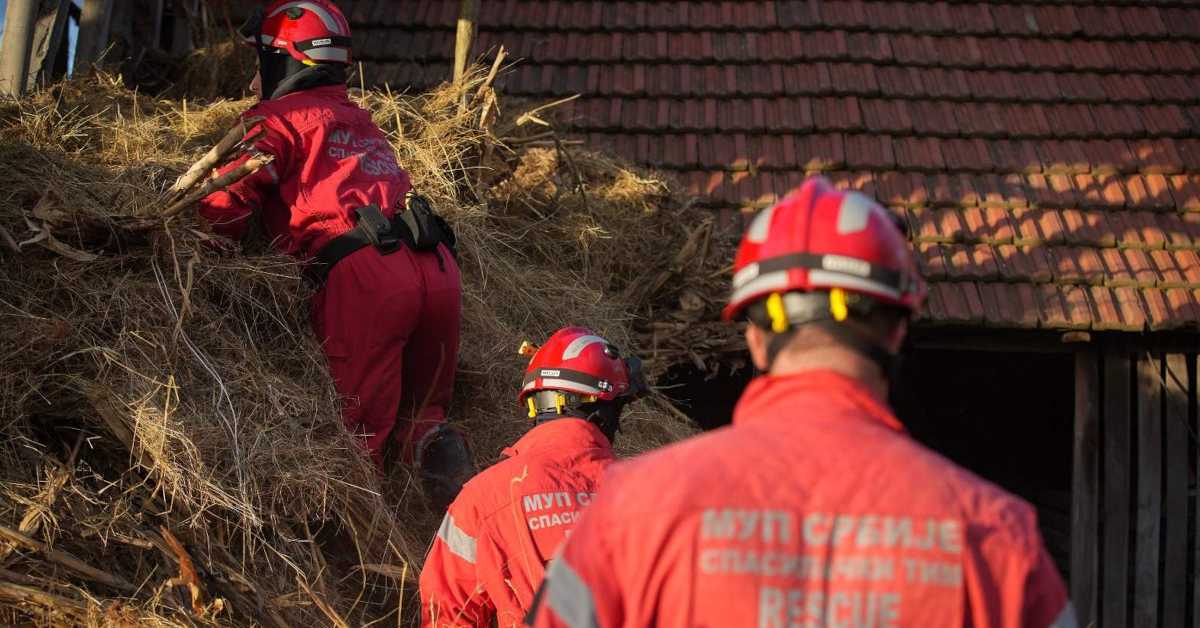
(443, 465)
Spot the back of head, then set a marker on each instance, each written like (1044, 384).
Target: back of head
(826, 269)
(578, 373)
(296, 40)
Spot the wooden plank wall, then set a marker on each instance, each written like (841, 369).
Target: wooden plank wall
(1135, 544)
(1085, 493)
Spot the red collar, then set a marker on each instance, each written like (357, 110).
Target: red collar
(768, 394)
(566, 434)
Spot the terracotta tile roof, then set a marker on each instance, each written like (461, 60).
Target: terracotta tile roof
(1046, 154)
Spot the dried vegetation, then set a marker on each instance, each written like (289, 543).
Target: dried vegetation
(170, 448)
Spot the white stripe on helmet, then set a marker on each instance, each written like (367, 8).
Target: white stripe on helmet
(328, 18)
(854, 213)
(757, 233)
(577, 346)
(827, 279)
(769, 282)
(329, 54)
(818, 279)
(747, 273)
(566, 384)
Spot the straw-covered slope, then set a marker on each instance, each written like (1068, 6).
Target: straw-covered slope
(170, 448)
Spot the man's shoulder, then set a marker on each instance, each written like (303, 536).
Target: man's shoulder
(670, 472)
(305, 109)
(506, 481)
(484, 483)
(986, 508)
(691, 472)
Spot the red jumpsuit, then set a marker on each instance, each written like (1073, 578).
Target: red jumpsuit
(490, 553)
(389, 324)
(812, 509)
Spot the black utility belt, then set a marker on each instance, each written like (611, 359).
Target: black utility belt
(417, 227)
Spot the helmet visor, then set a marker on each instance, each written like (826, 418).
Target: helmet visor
(251, 30)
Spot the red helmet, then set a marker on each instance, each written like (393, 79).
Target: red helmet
(312, 31)
(819, 238)
(577, 361)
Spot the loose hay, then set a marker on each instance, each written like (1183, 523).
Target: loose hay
(169, 439)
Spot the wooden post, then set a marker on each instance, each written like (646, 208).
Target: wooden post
(49, 39)
(1085, 488)
(1191, 387)
(1114, 596)
(181, 26)
(94, 24)
(19, 19)
(1175, 496)
(156, 21)
(1149, 490)
(466, 33)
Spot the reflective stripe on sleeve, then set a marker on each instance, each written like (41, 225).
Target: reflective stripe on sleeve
(460, 543)
(569, 596)
(1066, 619)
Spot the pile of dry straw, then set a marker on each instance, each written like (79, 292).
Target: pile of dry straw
(170, 447)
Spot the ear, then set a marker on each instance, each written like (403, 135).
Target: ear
(756, 340)
(895, 340)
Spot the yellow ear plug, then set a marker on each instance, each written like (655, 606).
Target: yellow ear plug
(559, 402)
(775, 310)
(837, 304)
(532, 408)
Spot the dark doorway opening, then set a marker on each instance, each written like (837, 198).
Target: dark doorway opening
(707, 398)
(1007, 417)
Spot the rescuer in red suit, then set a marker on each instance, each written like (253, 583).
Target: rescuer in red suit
(388, 305)
(490, 553)
(814, 508)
